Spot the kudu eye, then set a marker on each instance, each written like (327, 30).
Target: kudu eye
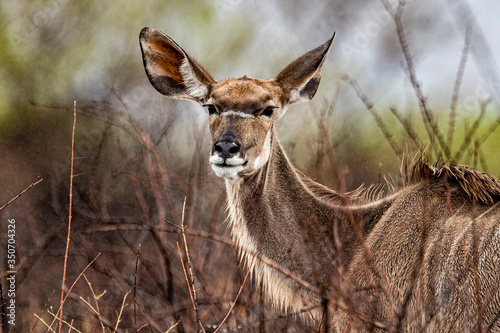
(211, 109)
(268, 112)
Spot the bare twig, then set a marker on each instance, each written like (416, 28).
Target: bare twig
(134, 179)
(39, 318)
(135, 283)
(71, 325)
(407, 126)
(41, 312)
(470, 133)
(69, 215)
(237, 295)
(118, 320)
(92, 310)
(489, 131)
(456, 87)
(147, 324)
(195, 307)
(152, 171)
(70, 289)
(173, 326)
(428, 117)
(195, 233)
(193, 289)
(476, 153)
(64, 321)
(96, 300)
(36, 182)
(325, 137)
(370, 107)
(482, 161)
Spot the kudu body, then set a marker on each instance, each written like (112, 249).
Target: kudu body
(424, 258)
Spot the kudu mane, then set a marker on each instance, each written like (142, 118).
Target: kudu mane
(475, 185)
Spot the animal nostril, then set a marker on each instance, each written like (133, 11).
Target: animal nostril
(234, 149)
(227, 149)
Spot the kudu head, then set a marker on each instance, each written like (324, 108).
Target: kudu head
(241, 110)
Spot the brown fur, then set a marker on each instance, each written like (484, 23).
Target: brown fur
(425, 258)
(477, 185)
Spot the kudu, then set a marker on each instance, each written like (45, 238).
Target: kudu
(425, 258)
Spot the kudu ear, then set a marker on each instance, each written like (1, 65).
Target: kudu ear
(171, 70)
(300, 79)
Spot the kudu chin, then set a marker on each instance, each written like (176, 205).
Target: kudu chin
(426, 258)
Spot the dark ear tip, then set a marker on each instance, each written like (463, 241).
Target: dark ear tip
(145, 32)
(330, 41)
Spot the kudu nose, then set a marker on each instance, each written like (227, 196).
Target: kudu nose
(227, 149)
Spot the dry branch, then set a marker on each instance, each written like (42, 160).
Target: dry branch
(407, 126)
(70, 289)
(41, 312)
(118, 320)
(88, 307)
(456, 87)
(427, 115)
(135, 283)
(195, 300)
(470, 133)
(237, 295)
(190, 280)
(370, 107)
(96, 299)
(191, 292)
(36, 182)
(69, 216)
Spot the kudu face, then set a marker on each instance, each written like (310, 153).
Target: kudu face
(242, 110)
(241, 127)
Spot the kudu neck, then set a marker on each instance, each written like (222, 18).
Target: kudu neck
(277, 175)
(274, 206)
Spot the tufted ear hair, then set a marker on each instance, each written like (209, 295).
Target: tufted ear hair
(300, 79)
(172, 71)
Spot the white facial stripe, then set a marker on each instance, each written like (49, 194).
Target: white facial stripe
(256, 162)
(264, 155)
(236, 113)
(268, 141)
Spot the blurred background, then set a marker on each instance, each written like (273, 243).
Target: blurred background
(140, 155)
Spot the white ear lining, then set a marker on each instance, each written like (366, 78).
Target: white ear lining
(194, 87)
(295, 94)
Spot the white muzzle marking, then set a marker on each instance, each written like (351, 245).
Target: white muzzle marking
(230, 168)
